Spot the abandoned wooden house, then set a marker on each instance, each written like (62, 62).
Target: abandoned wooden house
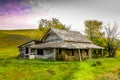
(59, 45)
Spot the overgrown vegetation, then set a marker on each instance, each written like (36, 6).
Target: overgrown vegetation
(52, 23)
(93, 30)
(94, 69)
(107, 38)
(112, 39)
(14, 69)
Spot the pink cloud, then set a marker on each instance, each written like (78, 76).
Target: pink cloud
(18, 22)
(14, 8)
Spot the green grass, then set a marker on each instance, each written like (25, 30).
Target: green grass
(94, 69)
(11, 68)
(98, 69)
(36, 70)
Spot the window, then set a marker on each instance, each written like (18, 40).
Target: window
(60, 51)
(72, 52)
(26, 50)
(32, 50)
(87, 52)
(48, 51)
(39, 51)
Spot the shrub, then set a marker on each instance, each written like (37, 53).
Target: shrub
(97, 63)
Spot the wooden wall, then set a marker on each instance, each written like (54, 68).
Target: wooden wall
(47, 54)
(72, 55)
(52, 37)
(22, 49)
(67, 54)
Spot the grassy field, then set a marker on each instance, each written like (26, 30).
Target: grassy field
(11, 39)
(98, 69)
(13, 69)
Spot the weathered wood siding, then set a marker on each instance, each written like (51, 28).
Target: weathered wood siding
(52, 37)
(22, 50)
(47, 54)
(67, 55)
(70, 55)
(84, 54)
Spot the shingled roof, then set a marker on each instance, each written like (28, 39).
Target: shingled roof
(71, 40)
(66, 45)
(70, 36)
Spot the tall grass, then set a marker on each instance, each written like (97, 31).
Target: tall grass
(99, 69)
(94, 69)
(14, 69)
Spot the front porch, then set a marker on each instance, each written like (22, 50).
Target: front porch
(60, 54)
(72, 54)
(65, 54)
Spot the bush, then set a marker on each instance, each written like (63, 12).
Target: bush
(97, 63)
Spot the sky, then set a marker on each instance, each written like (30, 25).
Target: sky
(25, 14)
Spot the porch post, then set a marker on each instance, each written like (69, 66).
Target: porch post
(79, 54)
(54, 53)
(35, 53)
(24, 52)
(90, 54)
(29, 51)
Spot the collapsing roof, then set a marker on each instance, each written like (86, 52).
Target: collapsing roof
(70, 40)
(29, 42)
(66, 45)
(69, 36)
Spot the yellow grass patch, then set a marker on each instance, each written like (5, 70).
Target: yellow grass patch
(118, 54)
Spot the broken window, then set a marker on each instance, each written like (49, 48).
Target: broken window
(26, 50)
(32, 52)
(39, 51)
(72, 52)
(60, 52)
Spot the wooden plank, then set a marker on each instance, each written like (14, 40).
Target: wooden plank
(79, 54)
(52, 37)
(24, 52)
(54, 51)
(90, 54)
(35, 53)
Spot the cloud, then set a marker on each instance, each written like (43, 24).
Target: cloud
(13, 7)
(73, 12)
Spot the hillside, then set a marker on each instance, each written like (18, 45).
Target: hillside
(16, 37)
(11, 39)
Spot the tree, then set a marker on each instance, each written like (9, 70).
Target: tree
(112, 34)
(52, 23)
(94, 31)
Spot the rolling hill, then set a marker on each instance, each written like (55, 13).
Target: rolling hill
(11, 39)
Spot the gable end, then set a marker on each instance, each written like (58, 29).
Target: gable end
(51, 36)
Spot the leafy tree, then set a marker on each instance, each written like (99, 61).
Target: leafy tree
(112, 34)
(93, 30)
(52, 23)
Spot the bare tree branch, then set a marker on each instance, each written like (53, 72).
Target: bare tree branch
(112, 42)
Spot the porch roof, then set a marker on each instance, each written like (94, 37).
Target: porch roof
(66, 45)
